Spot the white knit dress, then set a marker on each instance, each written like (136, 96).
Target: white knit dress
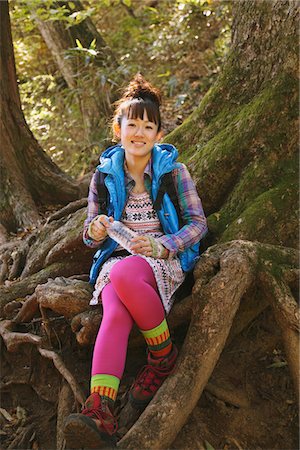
(140, 216)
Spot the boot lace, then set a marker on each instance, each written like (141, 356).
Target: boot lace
(150, 378)
(107, 420)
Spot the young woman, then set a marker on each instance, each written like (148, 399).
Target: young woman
(135, 287)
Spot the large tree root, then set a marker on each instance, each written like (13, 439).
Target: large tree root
(224, 276)
(56, 243)
(286, 312)
(215, 304)
(20, 289)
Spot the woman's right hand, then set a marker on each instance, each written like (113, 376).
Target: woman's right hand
(98, 227)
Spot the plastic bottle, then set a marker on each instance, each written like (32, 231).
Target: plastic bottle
(121, 234)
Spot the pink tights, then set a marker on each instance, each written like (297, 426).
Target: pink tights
(131, 296)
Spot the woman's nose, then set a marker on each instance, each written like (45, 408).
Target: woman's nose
(139, 131)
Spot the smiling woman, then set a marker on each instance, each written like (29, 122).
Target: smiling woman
(136, 282)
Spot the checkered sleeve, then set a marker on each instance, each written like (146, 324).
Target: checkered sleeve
(92, 213)
(192, 213)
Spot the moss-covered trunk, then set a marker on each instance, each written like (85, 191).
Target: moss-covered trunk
(28, 176)
(241, 142)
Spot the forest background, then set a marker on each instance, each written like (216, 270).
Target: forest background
(228, 71)
(178, 45)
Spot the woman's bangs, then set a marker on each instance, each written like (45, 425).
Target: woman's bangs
(137, 107)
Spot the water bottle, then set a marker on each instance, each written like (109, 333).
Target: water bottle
(121, 234)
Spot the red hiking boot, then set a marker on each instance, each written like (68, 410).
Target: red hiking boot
(94, 427)
(151, 377)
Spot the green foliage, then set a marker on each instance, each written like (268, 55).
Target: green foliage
(178, 45)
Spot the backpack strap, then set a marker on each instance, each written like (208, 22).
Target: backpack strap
(167, 186)
(102, 192)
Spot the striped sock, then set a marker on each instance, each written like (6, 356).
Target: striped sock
(158, 339)
(106, 385)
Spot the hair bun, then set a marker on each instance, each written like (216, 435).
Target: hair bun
(141, 88)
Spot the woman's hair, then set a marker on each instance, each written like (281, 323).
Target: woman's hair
(139, 96)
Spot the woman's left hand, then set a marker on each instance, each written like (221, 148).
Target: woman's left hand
(149, 246)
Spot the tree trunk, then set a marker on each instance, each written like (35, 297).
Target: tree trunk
(28, 176)
(94, 93)
(59, 39)
(241, 143)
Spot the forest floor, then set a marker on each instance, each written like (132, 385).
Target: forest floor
(252, 372)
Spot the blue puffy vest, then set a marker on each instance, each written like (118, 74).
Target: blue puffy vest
(112, 163)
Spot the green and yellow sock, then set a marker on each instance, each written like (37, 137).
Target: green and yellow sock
(158, 339)
(105, 385)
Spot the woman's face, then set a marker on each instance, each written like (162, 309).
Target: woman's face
(138, 136)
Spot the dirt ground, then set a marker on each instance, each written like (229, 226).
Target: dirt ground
(248, 404)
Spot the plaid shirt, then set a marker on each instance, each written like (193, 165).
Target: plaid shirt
(189, 202)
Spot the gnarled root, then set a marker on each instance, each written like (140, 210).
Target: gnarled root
(64, 296)
(286, 312)
(86, 326)
(215, 302)
(225, 274)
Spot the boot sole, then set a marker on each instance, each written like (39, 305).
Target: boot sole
(81, 432)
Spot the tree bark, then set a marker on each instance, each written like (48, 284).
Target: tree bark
(28, 176)
(241, 143)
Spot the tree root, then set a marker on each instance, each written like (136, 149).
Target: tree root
(23, 438)
(55, 242)
(13, 340)
(64, 408)
(4, 270)
(224, 276)
(215, 304)
(65, 297)
(68, 209)
(286, 312)
(28, 310)
(60, 366)
(235, 397)
(13, 257)
(86, 326)
(20, 289)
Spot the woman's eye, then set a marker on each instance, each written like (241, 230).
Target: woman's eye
(131, 125)
(150, 128)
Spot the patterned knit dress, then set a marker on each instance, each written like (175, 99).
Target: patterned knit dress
(140, 216)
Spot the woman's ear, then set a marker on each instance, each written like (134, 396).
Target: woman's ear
(117, 130)
(160, 135)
